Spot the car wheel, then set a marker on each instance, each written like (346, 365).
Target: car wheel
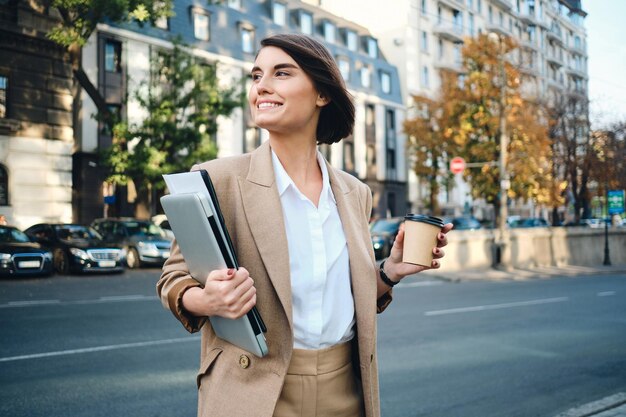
(132, 259)
(61, 262)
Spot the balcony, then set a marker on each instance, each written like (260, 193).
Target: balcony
(529, 44)
(453, 4)
(493, 27)
(555, 60)
(555, 36)
(504, 4)
(451, 32)
(527, 16)
(577, 72)
(531, 70)
(578, 49)
(454, 66)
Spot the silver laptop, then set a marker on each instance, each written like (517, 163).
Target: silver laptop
(201, 237)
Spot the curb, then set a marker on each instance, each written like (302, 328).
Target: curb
(596, 407)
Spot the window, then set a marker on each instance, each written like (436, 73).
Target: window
(440, 50)
(372, 48)
(470, 22)
(424, 41)
(490, 14)
(4, 186)
(423, 7)
(113, 56)
(201, 26)
(425, 79)
(365, 77)
(501, 19)
(352, 40)
(4, 86)
(234, 4)
(163, 21)
(344, 67)
(306, 23)
(348, 156)
(247, 40)
(329, 32)
(385, 82)
(279, 13)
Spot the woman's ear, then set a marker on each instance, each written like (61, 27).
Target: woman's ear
(321, 101)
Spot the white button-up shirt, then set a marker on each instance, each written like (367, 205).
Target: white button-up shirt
(323, 306)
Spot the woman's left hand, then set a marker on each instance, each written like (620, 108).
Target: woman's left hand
(396, 269)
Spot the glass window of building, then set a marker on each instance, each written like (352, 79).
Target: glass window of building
(425, 77)
(366, 77)
(306, 23)
(440, 50)
(4, 186)
(279, 13)
(490, 14)
(424, 41)
(385, 82)
(113, 56)
(234, 4)
(247, 40)
(348, 156)
(423, 8)
(470, 4)
(352, 40)
(201, 26)
(479, 6)
(329, 32)
(344, 67)
(4, 87)
(470, 22)
(372, 48)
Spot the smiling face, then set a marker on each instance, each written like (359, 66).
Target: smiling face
(282, 97)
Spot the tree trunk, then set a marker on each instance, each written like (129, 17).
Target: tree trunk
(143, 203)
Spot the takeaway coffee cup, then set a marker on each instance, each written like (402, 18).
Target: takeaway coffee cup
(420, 237)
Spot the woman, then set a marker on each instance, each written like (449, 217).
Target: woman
(300, 230)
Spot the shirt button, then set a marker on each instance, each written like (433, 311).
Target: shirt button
(244, 361)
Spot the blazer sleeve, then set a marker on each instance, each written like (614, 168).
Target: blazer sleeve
(385, 299)
(175, 280)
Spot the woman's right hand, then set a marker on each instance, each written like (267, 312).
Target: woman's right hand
(227, 293)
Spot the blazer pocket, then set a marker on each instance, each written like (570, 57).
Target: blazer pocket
(206, 364)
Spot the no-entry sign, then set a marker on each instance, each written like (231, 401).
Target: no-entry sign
(457, 165)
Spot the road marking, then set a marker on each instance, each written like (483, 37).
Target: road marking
(419, 284)
(31, 303)
(496, 306)
(605, 293)
(99, 349)
(110, 299)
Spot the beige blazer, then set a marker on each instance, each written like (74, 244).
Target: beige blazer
(231, 381)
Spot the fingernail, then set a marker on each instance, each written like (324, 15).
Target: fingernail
(437, 251)
(230, 272)
(440, 236)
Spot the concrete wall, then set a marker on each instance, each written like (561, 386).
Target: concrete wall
(535, 247)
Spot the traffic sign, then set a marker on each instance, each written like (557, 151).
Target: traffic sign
(457, 165)
(616, 201)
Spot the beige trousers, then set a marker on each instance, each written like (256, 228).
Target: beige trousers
(321, 383)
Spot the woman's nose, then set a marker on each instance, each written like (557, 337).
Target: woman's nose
(263, 85)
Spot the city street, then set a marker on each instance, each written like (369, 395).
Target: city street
(104, 346)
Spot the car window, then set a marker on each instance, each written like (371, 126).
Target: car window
(385, 226)
(10, 235)
(75, 232)
(143, 229)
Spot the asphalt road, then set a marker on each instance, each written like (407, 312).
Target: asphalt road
(104, 346)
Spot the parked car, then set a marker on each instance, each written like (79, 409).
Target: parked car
(464, 223)
(161, 221)
(530, 222)
(383, 233)
(21, 256)
(77, 248)
(145, 242)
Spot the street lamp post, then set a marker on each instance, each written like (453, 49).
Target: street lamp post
(505, 182)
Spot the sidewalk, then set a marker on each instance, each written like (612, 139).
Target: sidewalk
(521, 274)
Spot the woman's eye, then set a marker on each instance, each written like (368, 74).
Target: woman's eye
(255, 77)
(282, 73)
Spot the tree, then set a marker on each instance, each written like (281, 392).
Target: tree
(608, 159)
(183, 100)
(431, 140)
(572, 148)
(78, 20)
(489, 92)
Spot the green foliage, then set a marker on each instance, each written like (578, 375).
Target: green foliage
(80, 17)
(183, 100)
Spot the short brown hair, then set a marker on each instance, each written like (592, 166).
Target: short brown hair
(337, 117)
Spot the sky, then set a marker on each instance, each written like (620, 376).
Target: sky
(606, 47)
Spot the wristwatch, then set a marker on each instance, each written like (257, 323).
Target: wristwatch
(384, 276)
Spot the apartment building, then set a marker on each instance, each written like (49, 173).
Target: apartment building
(421, 37)
(116, 59)
(36, 126)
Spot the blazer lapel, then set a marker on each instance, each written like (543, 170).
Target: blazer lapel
(264, 214)
(363, 283)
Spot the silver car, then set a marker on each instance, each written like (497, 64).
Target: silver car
(145, 242)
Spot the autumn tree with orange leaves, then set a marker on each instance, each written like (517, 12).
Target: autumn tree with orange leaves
(470, 124)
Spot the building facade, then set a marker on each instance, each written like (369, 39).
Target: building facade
(36, 120)
(117, 59)
(421, 37)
